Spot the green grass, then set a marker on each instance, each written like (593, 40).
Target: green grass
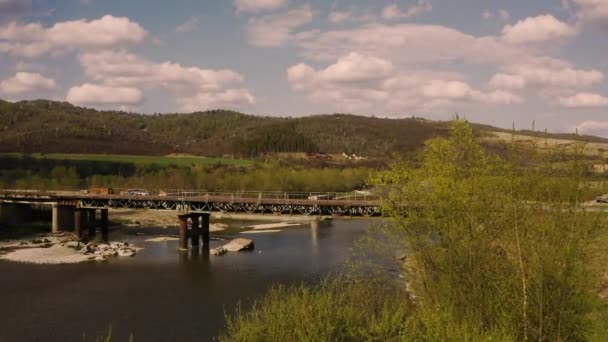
(159, 160)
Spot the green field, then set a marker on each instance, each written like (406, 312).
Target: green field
(159, 160)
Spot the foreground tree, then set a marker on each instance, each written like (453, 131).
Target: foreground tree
(494, 248)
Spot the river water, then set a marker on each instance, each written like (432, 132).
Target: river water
(162, 294)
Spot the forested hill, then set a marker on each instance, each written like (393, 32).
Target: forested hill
(48, 126)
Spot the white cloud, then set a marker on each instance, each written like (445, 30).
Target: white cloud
(547, 76)
(593, 11)
(338, 17)
(25, 82)
(357, 68)
(233, 98)
(598, 128)
(414, 49)
(276, 29)
(127, 69)
(189, 25)
(93, 94)
(353, 82)
(540, 29)
(358, 81)
(348, 16)
(258, 5)
(394, 12)
(409, 43)
(32, 40)
(188, 84)
(508, 81)
(457, 90)
(584, 100)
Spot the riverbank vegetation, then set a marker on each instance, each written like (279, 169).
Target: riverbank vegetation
(27, 172)
(493, 249)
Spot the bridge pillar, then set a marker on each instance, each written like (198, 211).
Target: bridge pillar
(183, 232)
(205, 228)
(195, 233)
(91, 224)
(78, 222)
(55, 219)
(105, 233)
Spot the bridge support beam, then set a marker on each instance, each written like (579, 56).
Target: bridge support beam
(91, 224)
(105, 233)
(78, 222)
(205, 228)
(55, 219)
(199, 227)
(62, 218)
(195, 233)
(183, 232)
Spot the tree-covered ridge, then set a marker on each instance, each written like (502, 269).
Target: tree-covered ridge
(59, 127)
(48, 126)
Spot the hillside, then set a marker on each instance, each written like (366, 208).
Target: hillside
(57, 127)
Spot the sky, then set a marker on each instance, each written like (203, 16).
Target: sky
(522, 62)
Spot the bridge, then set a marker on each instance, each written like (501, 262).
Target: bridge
(77, 209)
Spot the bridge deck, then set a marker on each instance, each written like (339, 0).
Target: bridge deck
(277, 202)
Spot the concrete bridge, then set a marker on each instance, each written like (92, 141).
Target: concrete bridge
(77, 209)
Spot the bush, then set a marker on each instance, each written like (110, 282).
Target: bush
(335, 310)
(493, 247)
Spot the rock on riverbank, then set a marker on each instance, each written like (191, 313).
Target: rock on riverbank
(235, 245)
(63, 249)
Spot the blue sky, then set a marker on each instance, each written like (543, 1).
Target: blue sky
(495, 62)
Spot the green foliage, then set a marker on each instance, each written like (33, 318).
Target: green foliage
(337, 310)
(494, 246)
(25, 172)
(494, 251)
(279, 137)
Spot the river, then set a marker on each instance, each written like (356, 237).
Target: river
(162, 294)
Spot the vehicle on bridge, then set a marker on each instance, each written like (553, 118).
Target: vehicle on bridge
(322, 197)
(99, 191)
(136, 192)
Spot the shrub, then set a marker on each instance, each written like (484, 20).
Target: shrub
(494, 248)
(335, 310)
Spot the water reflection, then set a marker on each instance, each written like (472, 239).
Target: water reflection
(194, 256)
(319, 230)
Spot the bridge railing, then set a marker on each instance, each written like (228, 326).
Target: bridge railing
(234, 195)
(273, 195)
